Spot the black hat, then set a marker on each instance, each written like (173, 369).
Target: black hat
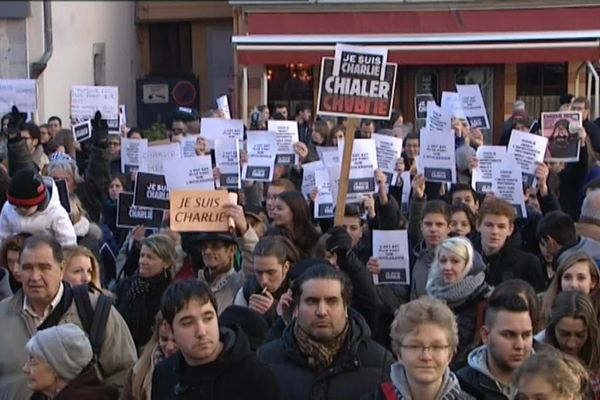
(192, 239)
(257, 212)
(249, 321)
(27, 189)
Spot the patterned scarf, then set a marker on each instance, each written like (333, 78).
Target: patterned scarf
(320, 355)
(457, 293)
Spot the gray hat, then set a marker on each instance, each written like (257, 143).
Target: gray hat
(65, 348)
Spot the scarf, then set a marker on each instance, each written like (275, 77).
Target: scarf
(140, 287)
(456, 293)
(320, 355)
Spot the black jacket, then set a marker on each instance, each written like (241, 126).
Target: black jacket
(360, 367)
(94, 190)
(236, 374)
(478, 385)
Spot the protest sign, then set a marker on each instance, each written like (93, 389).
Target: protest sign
(223, 106)
(287, 136)
(406, 190)
(188, 146)
(507, 183)
(451, 103)
(261, 146)
(219, 128)
(63, 194)
(199, 211)
(86, 100)
(562, 131)
(308, 176)
(362, 169)
(155, 155)
(437, 156)
(227, 157)
(122, 115)
(334, 181)
(194, 173)
(82, 131)
(438, 119)
(390, 248)
(473, 106)
(389, 150)
(20, 93)
(482, 175)
(330, 156)
(131, 152)
(151, 191)
(130, 216)
(358, 82)
(324, 201)
(421, 101)
(527, 149)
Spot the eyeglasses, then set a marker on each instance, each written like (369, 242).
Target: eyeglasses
(436, 350)
(177, 130)
(114, 143)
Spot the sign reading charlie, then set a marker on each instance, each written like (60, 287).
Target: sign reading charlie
(199, 211)
(358, 82)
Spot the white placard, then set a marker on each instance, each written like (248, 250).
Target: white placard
(437, 156)
(227, 158)
(261, 147)
(482, 175)
(406, 189)
(18, 92)
(287, 136)
(131, 154)
(188, 145)
(473, 106)
(86, 100)
(389, 150)
(390, 248)
(220, 128)
(451, 103)
(527, 149)
(334, 180)
(194, 173)
(308, 176)
(438, 119)
(344, 59)
(324, 203)
(361, 180)
(122, 115)
(507, 183)
(223, 106)
(153, 157)
(330, 156)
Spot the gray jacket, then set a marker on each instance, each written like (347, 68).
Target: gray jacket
(584, 245)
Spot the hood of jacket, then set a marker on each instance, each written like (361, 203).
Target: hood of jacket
(450, 386)
(478, 361)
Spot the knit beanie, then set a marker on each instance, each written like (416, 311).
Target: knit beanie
(65, 348)
(27, 189)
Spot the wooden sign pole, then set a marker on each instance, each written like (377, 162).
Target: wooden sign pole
(351, 126)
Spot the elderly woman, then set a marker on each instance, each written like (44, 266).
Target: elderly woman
(60, 366)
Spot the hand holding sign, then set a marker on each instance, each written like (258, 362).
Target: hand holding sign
(236, 213)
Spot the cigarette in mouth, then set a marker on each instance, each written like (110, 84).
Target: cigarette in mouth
(264, 291)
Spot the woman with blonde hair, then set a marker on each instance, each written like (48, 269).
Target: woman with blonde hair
(81, 267)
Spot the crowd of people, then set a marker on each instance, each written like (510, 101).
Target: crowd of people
(285, 306)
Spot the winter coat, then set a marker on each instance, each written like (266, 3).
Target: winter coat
(235, 374)
(5, 290)
(88, 385)
(224, 287)
(584, 245)
(250, 287)
(53, 220)
(588, 229)
(477, 380)
(421, 259)
(359, 368)
(94, 189)
(117, 354)
(572, 179)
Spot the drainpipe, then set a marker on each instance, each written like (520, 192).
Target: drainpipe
(36, 68)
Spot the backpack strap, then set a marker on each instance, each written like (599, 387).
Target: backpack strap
(93, 320)
(389, 392)
(81, 295)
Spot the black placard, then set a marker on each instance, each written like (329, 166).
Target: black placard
(130, 216)
(63, 194)
(151, 191)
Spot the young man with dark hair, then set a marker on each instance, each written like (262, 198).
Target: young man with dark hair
(507, 335)
(410, 150)
(179, 129)
(283, 110)
(30, 133)
(210, 359)
(326, 351)
(582, 104)
(54, 125)
(367, 129)
(464, 193)
(303, 118)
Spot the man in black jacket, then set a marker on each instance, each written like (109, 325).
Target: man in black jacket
(326, 352)
(212, 362)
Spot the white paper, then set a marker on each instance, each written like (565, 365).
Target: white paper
(482, 175)
(131, 154)
(223, 106)
(324, 202)
(527, 149)
(194, 173)
(343, 52)
(361, 180)
(308, 176)
(86, 100)
(438, 119)
(219, 128)
(188, 146)
(18, 92)
(334, 181)
(227, 157)
(122, 115)
(390, 248)
(451, 103)
(153, 157)
(287, 136)
(507, 183)
(473, 106)
(389, 150)
(330, 156)
(437, 156)
(261, 147)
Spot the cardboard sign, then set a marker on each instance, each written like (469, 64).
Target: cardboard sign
(86, 100)
(82, 131)
(358, 82)
(473, 106)
(190, 174)
(63, 194)
(227, 160)
(131, 153)
(562, 131)
(223, 106)
(391, 250)
(421, 101)
(527, 149)
(262, 147)
(287, 136)
(197, 211)
(18, 92)
(130, 216)
(151, 191)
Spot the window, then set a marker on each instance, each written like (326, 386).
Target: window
(290, 85)
(540, 86)
(171, 49)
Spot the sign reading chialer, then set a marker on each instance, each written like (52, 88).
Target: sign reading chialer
(357, 82)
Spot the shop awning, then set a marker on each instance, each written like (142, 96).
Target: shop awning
(426, 37)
